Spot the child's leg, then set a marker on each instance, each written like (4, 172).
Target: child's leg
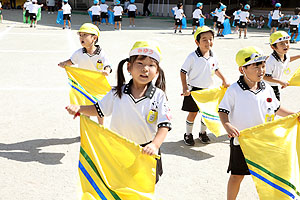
(106, 19)
(221, 31)
(116, 25)
(69, 22)
(100, 120)
(245, 32)
(130, 21)
(296, 35)
(240, 33)
(180, 27)
(190, 122)
(133, 21)
(64, 23)
(233, 186)
(120, 25)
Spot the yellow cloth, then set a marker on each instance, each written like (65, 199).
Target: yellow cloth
(112, 167)
(272, 153)
(295, 80)
(208, 101)
(87, 86)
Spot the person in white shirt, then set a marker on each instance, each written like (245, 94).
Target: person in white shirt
(132, 11)
(33, 10)
(197, 14)
(96, 11)
(236, 19)
(1, 16)
(178, 17)
(66, 8)
(276, 15)
(215, 15)
(260, 22)
(244, 19)
(26, 9)
(104, 11)
(294, 24)
(220, 21)
(252, 21)
(50, 5)
(118, 11)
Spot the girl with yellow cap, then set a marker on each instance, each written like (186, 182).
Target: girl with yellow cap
(138, 109)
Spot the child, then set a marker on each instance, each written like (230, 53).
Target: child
(118, 11)
(252, 21)
(179, 14)
(138, 109)
(244, 19)
(246, 103)
(126, 4)
(174, 9)
(215, 15)
(196, 74)
(294, 23)
(1, 17)
(236, 19)
(66, 8)
(96, 10)
(26, 9)
(50, 5)
(197, 14)
(132, 11)
(104, 11)
(91, 56)
(277, 63)
(33, 10)
(260, 22)
(220, 22)
(276, 14)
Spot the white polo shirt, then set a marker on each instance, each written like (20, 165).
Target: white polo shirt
(132, 7)
(26, 5)
(66, 9)
(87, 61)
(175, 9)
(275, 67)
(246, 108)
(136, 119)
(118, 10)
(295, 20)
(200, 70)
(243, 16)
(197, 13)
(34, 8)
(104, 7)
(178, 14)
(276, 14)
(236, 14)
(95, 10)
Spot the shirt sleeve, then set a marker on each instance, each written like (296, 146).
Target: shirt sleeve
(75, 57)
(164, 115)
(105, 105)
(216, 62)
(105, 60)
(227, 102)
(186, 67)
(269, 67)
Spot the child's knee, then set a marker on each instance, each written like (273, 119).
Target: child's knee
(236, 178)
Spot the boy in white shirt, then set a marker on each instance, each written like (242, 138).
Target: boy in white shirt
(118, 11)
(96, 10)
(179, 14)
(276, 14)
(260, 22)
(294, 24)
(252, 21)
(33, 10)
(104, 11)
(246, 103)
(236, 19)
(132, 11)
(196, 74)
(197, 14)
(66, 8)
(26, 9)
(244, 19)
(277, 63)
(221, 18)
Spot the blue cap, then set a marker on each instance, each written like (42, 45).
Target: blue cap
(132, 1)
(199, 4)
(222, 7)
(65, 0)
(278, 5)
(247, 7)
(102, 1)
(118, 2)
(96, 1)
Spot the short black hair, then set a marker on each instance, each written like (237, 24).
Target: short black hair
(297, 10)
(274, 45)
(199, 35)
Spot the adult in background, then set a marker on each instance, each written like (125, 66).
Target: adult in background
(146, 11)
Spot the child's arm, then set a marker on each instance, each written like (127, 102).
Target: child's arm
(185, 89)
(276, 80)
(294, 58)
(220, 75)
(227, 16)
(153, 147)
(86, 110)
(65, 63)
(231, 130)
(106, 70)
(283, 112)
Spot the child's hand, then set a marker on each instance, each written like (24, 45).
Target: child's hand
(225, 84)
(105, 72)
(150, 149)
(231, 130)
(186, 92)
(284, 84)
(62, 64)
(73, 110)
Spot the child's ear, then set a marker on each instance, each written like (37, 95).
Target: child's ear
(128, 67)
(197, 43)
(241, 70)
(272, 47)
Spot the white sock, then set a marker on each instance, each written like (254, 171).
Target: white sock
(189, 127)
(202, 127)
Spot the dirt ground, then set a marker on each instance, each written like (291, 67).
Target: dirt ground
(39, 146)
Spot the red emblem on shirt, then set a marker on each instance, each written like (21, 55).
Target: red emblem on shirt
(269, 100)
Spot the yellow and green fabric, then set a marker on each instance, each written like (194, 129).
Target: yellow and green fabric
(272, 153)
(112, 167)
(208, 101)
(295, 79)
(87, 87)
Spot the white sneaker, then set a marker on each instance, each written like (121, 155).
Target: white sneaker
(48, 12)
(52, 12)
(119, 29)
(130, 26)
(133, 25)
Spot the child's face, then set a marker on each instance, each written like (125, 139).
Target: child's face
(87, 40)
(282, 47)
(206, 41)
(143, 70)
(255, 72)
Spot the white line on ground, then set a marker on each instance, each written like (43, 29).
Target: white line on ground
(6, 30)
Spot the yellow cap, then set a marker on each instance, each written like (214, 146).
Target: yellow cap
(146, 48)
(203, 29)
(249, 55)
(89, 28)
(279, 36)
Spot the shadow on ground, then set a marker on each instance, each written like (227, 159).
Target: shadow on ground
(29, 151)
